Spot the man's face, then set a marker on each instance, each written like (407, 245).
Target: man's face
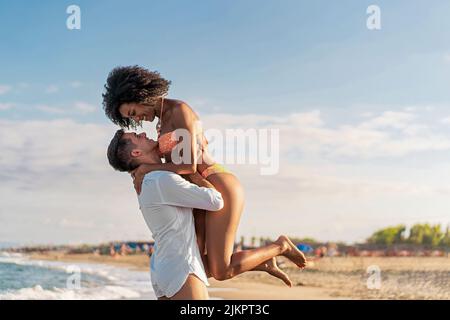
(143, 145)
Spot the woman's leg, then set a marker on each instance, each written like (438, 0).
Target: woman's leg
(193, 289)
(200, 228)
(221, 227)
(200, 232)
(270, 266)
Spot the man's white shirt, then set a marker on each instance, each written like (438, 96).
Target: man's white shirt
(166, 201)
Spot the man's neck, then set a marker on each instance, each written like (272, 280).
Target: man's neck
(151, 158)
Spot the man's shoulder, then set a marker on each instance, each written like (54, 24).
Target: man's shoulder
(162, 177)
(150, 179)
(155, 175)
(158, 183)
(150, 185)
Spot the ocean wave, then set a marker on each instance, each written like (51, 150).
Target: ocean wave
(106, 271)
(100, 293)
(11, 257)
(122, 283)
(10, 254)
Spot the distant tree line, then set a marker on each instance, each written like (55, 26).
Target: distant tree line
(419, 234)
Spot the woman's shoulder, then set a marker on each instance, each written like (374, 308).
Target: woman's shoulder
(180, 105)
(181, 108)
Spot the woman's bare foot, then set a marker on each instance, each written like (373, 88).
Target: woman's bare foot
(271, 267)
(291, 252)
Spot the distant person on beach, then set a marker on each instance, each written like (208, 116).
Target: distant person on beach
(134, 94)
(166, 202)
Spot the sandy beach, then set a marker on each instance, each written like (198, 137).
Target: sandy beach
(327, 278)
(258, 285)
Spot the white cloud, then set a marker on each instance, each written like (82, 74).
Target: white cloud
(57, 185)
(84, 107)
(335, 202)
(24, 85)
(320, 181)
(4, 89)
(446, 57)
(78, 107)
(446, 120)
(367, 114)
(391, 134)
(50, 109)
(76, 84)
(389, 119)
(6, 106)
(57, 172)
(52, 89)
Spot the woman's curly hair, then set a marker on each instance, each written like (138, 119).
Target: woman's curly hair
(132, 84)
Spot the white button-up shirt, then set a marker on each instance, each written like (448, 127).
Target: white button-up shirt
(166, 201)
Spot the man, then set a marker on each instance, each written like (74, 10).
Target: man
(166, 201)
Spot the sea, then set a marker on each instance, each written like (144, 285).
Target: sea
(24, 279)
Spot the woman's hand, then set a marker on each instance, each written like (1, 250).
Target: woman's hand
(138, 176)
(195, 178)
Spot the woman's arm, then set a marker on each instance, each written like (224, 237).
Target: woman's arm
(145, 168)
(197, 178)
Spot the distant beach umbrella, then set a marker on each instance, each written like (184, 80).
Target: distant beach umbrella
(304, 248)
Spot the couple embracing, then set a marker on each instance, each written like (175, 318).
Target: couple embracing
(191, 204)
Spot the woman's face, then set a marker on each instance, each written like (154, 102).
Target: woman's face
(137, 112)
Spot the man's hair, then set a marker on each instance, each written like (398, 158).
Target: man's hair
(119, 153)
(131, 84)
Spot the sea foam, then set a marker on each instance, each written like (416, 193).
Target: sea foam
(122, 283)
(100, 293)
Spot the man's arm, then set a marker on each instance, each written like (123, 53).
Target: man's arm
(177, 191)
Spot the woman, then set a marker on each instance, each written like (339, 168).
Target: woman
(134, 94)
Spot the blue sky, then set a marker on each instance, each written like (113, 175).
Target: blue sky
(233, 53)
(374, 104)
